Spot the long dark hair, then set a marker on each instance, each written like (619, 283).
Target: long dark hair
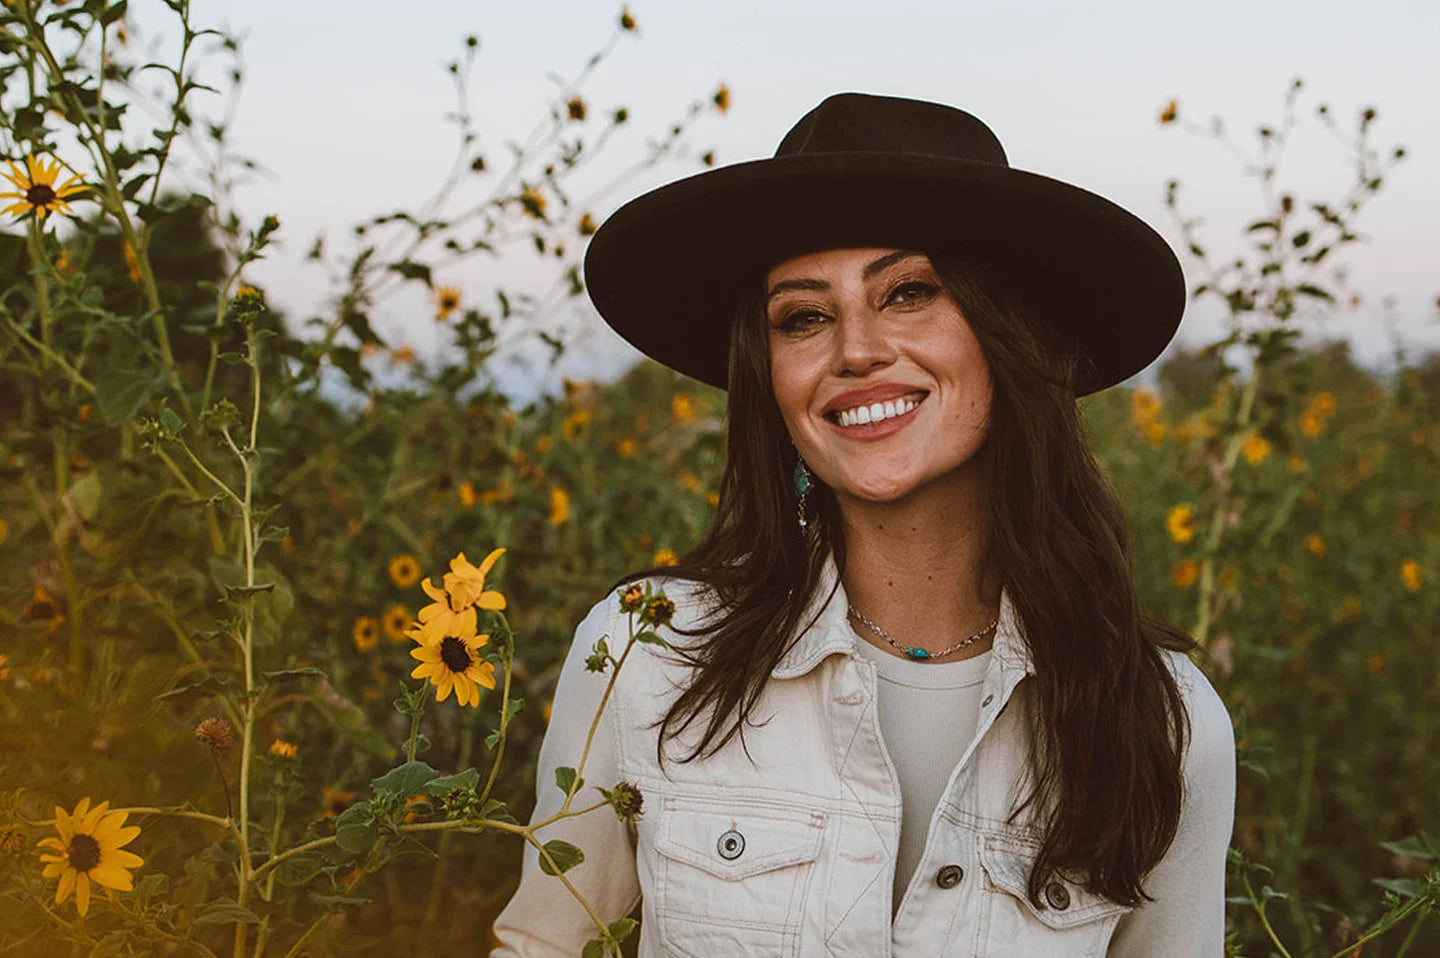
(1107, 723)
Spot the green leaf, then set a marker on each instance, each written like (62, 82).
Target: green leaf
(566, 856)
(120, 391)
(338, 900)
(112, 944)
(355, 830)
(565, 777)
(650, 638)
(85, 493)
(492, 739)
(594, 948)
(1405, 887)
(1316, 291)
(412, 270)
(225, 912)
(294, 673)
(1411, 845)
(461, 781)
(621, 928)
(404, 780)
(300, 869)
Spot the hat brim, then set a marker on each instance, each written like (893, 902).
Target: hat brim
(666, 268)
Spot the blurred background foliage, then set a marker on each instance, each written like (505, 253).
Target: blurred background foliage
(1289, 520)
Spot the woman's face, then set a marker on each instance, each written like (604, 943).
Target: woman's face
(850, 328)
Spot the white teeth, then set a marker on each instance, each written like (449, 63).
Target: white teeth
(876, 412)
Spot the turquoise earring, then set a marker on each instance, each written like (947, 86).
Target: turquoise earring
(804, 482)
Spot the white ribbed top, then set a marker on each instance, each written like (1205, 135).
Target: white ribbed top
(916, 701)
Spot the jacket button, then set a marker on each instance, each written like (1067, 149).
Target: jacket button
(988, 700)
(1057, 895)
(730, 845)
(949, 876)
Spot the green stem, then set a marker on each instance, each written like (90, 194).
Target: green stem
(1259, 907)
(414, 735)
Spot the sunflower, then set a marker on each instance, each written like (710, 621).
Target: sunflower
(1179, 523)
(38, 192)
(440, 618)
(466, 582)
(366, 633)
(283, 749)
(90, 849)
(447, 300)
(395, 622)
(454, 663)
(404, 571)
(559, 505)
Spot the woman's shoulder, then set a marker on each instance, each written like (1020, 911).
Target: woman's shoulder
(1212, 731)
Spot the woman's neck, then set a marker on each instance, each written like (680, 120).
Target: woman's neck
(911, 566)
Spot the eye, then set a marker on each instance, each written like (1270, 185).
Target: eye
(913, 291)
(798, 320)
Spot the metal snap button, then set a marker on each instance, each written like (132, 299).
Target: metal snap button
(949, 876)
(1057, 895)
(730, 845)
(988, 700)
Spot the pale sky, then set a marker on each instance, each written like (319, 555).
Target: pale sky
(344, 103)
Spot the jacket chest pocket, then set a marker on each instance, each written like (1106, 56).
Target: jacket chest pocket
(731, 878)
(1073, 923)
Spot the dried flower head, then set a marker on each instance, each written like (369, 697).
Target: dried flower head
(632, 598)
(215, 734)
(626, 799)
(659, 611)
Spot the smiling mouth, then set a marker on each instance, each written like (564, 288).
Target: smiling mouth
(891, 409)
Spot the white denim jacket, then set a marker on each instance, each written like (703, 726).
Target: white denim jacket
(795, 855)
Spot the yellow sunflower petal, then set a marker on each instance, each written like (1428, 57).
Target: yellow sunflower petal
(424, 670)
(66, 886)
(446, 684)
(92, 818)
(53, 869)
(490, 599)
(489, 561)
(124, 859)
(19, 209)
(437, 594)
(52, 842)
(122, 836)
(82, 894)
(110, 823)
(112, 876)
(426, 653)
(487, 677)
(64, 824)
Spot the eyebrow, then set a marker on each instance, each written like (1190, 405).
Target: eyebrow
(875, 266)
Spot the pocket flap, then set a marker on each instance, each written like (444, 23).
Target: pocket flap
(772, 838)
(1008, 868)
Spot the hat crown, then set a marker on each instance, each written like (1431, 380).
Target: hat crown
(866, 123)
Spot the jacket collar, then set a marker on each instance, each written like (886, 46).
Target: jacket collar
(831, 632)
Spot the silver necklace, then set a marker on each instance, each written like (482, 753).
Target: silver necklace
(918, 653)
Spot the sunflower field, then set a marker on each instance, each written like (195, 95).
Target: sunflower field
(274, 668)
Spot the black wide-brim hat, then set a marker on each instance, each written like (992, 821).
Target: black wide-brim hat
(666, 269)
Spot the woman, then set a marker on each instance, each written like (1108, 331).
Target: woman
(958, 734)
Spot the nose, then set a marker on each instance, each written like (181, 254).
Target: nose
(861, 343)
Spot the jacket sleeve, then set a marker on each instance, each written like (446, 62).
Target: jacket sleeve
(1187, 917)
(542, 919)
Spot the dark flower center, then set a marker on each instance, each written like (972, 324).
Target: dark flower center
(454, 654)
(84, 853)
(40, 194)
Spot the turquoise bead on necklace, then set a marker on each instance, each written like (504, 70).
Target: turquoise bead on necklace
(918, 653)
